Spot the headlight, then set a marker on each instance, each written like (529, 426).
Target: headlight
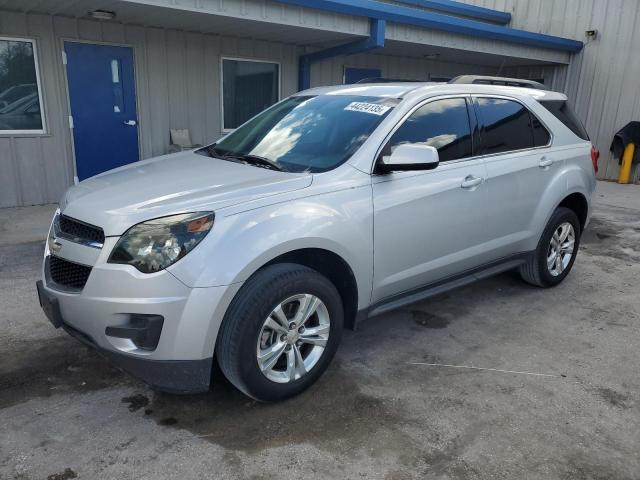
(52, 243)
(154, 245)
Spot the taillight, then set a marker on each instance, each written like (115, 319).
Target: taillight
(595, 155)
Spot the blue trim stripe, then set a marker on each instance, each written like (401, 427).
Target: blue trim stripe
(457, 8)
(374, 40)
(437, 21)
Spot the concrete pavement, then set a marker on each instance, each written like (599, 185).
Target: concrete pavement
(554, 392)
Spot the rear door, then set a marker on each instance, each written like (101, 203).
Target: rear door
(519, 165)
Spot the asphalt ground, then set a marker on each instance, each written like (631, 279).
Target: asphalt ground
(554, 392)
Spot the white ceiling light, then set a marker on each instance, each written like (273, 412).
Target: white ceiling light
(102, 14)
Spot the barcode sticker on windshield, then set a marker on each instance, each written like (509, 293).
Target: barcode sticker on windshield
(372, 108)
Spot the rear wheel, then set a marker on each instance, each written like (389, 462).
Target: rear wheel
(280, 332)
(556, 252)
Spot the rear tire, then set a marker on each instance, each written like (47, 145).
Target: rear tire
(556, 251)
(266, 319)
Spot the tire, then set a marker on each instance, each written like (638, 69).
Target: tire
(537, 271)
(244, 334)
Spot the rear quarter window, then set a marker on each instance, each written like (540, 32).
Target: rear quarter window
(563, 112)
(541, 136)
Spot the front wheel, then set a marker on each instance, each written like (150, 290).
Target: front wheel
(280, 332)
(556, 251)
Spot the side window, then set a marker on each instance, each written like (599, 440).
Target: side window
(563, 112)
(443, 124)
(506, 125)
(541, 136)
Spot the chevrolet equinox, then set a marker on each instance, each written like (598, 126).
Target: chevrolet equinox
(333, 205)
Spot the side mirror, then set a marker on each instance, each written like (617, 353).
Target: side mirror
(410, 156)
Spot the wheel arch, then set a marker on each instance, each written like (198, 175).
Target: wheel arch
(331, 265)
(577, 202)
(568, 188)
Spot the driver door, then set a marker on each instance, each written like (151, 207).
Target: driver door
(430, 225)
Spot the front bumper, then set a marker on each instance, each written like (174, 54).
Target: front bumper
(174, 376)
(180, 356)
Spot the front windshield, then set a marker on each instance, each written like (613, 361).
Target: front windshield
(307, 133)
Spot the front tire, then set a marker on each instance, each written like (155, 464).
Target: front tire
(280, 332)
(556, 252)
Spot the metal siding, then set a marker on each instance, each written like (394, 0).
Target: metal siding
(330, 72)
(195, 82)
(35, 169)
(198, 14)
(601, 81)
(178, 78)
(409, 33)
(10, 186)
(178, 86)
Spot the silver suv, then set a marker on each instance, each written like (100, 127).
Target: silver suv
(331, 206)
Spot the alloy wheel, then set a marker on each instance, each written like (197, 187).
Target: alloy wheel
(293, 338)
(561, 248)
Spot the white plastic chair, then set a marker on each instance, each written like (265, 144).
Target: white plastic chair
(181, 140)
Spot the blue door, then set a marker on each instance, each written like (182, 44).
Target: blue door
(103, 106)
(353, 75)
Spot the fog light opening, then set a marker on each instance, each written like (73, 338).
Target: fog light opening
(142, 329)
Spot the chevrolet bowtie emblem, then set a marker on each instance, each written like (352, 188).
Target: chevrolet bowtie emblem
(54, 245)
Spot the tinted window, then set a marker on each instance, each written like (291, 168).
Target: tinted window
(307, 133)
(443, 124)
(247, 89)
(506, 125)
(19, 100)
(563, 112)
(541, 135)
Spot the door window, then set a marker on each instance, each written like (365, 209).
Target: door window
(506, 125)
(118, 94)
(443, 124)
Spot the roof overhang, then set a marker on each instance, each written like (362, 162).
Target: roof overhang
(312, 27)
(425, 19)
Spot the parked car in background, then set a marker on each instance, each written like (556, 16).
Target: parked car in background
(333, 205)
(22, 114)
(15, 93)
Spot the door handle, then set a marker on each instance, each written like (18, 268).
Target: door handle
(131, 123)
(545, 162)
(470, 181)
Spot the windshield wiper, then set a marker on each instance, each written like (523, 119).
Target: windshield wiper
(212, 151)
(255, 160)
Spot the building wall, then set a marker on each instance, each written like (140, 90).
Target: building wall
(602, 80)
(178, 86)
(178, 81)
(330, 72)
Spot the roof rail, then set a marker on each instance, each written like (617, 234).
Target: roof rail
(389, 80)
(486, 80)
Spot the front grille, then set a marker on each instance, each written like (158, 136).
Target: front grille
(68, 274)
(79, 230)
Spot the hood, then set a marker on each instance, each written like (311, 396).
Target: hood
(178, 183)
